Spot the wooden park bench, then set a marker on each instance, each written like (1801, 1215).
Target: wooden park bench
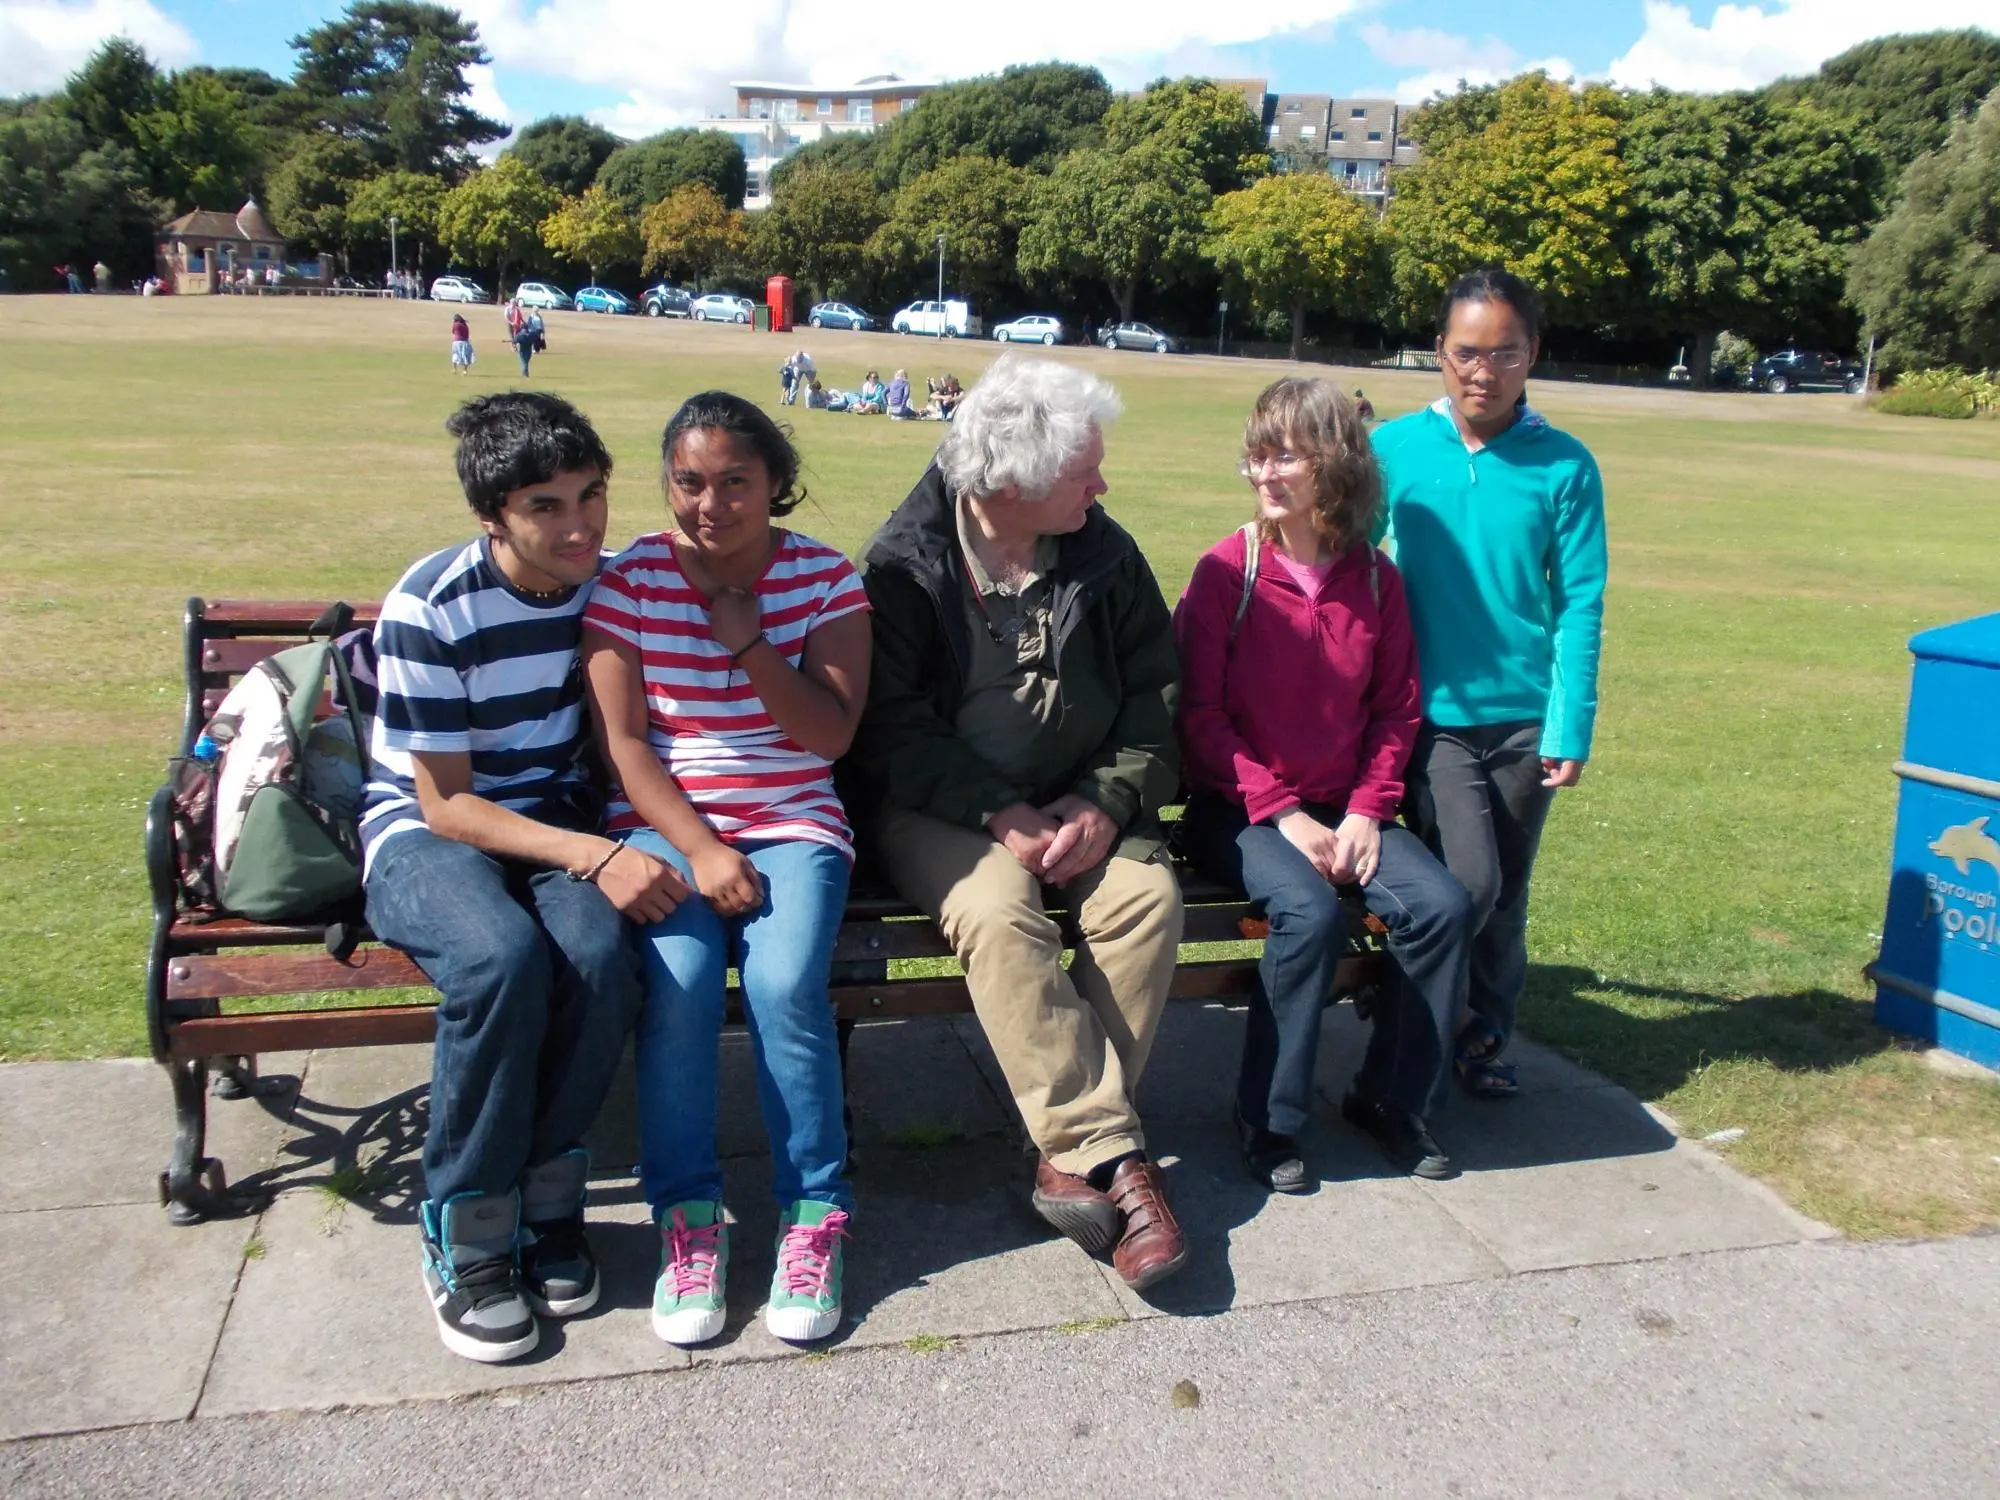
(196, 969)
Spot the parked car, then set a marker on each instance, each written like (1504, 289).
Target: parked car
(840, 315)
(541, 294)
(667, 301)
(1795, 369)
(1138, 336)
(458, 289)
(1033, 328)
(952, 318)
(602, 299)
(720, 307)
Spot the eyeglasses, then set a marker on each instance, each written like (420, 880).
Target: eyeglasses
(1500, 361)
(1280, 463)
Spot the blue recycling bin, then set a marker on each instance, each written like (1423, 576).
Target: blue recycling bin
(1938, 975)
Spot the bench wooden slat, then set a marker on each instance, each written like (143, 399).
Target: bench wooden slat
(232, 656)
(224, 976)
(280, 616)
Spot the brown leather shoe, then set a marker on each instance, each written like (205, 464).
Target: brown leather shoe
(1152, 1247)
(1075, 1207)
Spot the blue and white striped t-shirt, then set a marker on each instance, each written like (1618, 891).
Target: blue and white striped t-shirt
(467, 663)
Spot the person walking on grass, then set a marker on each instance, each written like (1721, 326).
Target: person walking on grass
(728, 665)
(1017, 748)
(1496, 520)
(527, 339)
(461, 345)
(483, 863)
(1298, 710)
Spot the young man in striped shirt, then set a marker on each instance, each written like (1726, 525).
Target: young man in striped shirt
(484, 864)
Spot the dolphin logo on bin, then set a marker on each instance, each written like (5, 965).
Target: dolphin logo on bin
(1962, 843)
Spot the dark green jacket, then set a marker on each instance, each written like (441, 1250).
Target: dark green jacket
(1115, 660)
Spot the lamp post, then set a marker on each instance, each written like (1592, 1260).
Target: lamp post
(392, 252)
(1222, 326)
(943, 317)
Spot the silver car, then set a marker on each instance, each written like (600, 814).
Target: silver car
(458, 289)
(1034, 328)
(720, 307)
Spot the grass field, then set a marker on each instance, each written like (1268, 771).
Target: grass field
(1705, 900)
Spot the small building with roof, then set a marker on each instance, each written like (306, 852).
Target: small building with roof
(191, 251)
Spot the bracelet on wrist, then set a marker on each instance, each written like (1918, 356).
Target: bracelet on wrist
(589, 877)
(748, 646)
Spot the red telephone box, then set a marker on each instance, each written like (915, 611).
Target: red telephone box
(778, 297)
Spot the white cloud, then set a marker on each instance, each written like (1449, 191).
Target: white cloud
(43, 41)
(672, 67)
(1746, 46)
(486, 98)
(1446, 60)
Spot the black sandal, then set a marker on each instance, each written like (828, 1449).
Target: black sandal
(1475, 1063)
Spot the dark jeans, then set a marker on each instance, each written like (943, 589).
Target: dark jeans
(538, 985)
(1476, 797)
(525, 347)
(1430, 926)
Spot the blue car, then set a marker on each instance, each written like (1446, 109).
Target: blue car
(601, 299)
(839, 315)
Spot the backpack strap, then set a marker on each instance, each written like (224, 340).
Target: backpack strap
(1251, 555)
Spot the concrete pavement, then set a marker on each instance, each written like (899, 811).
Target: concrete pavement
(115, 1318)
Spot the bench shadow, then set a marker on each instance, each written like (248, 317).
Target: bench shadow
(1810, 1030)
(371, 1155)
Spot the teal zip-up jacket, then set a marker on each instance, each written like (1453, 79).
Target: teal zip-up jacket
(1503, 556)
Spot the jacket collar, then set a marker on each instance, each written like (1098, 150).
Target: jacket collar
(1529, 421)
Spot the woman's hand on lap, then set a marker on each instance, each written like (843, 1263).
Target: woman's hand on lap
(1358, 850)
(642, 887)
(1312, 838)
(727, 879)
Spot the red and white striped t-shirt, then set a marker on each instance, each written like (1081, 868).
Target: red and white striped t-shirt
(743, 774)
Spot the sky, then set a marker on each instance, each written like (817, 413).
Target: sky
(639, 66)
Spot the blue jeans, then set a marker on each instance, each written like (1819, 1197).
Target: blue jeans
(1430, 942)
(1477, 799)
(783, 951)
(537, 988)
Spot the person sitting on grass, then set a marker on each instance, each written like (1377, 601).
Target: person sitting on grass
(483, 863)
(728, 665)
(817, 398)
(1019, 744)
(1298, 710)
(896, 399)
(872, 396)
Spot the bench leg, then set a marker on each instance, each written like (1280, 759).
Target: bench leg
(193, 1186)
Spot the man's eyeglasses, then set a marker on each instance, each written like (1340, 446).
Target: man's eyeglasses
(1500, 361)
(1280, 463)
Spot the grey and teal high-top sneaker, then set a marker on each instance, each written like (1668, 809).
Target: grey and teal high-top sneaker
(556, 1264)
(473, 1277)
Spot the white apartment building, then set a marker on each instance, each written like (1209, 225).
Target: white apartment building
(773, 119)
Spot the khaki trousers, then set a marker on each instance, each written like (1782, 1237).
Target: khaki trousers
(1073, 1043)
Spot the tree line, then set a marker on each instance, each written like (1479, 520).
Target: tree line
(1653, 220)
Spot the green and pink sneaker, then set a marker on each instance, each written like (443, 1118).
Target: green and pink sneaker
(805, 1292)
(688, 1299)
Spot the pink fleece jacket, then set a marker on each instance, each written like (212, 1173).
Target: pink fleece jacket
(1316, 701)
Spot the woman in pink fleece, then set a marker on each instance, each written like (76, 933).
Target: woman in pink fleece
(1298, 710)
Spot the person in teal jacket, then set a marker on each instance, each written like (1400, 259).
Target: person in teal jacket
(1496, 520)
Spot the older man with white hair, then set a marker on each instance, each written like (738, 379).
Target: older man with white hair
(1017, 746)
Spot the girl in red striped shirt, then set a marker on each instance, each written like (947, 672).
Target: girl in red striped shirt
(727, 666)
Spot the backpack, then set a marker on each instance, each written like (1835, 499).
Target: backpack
(267, 803)
(1252, 554)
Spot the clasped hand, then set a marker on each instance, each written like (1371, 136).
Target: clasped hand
(1069, 837)
(1347, 855)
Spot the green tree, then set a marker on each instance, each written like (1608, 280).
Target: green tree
(116, 83)
(494, 217)
(307, 193)
(414, 199)
(1445, 119)
(977, 204)
(646, 171)
(593, 230)
(1743, 213)
(855, 150)
(567, 150)
(818, 226)
(1127, 219)
(201, 143)
(1928, 278)
(1295, 244)
(391, 75)
(63, 198)
(1541, 190)
(1907, 91)
(1212, 124)
(1028, 117)
(691, 234)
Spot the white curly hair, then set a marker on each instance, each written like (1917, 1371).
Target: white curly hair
(1023, 421)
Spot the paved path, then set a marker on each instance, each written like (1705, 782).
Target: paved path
(115, 1318)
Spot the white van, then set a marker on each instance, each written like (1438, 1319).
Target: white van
(954, 319)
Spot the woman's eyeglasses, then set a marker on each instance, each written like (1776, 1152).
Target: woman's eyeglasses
(1276, 463)
(1500, 361)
